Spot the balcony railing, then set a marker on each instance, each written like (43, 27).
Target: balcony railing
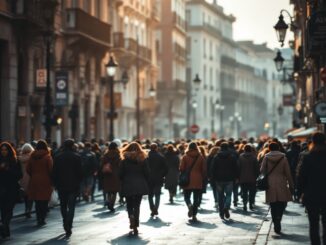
(178, 21)
(179, 51)
(85, 24)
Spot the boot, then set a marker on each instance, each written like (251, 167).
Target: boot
(277, 225)
(190, 211)
(132, 222)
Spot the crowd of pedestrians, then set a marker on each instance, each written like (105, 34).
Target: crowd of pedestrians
(33, 173)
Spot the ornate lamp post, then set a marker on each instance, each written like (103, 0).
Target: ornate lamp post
(279, 61)
(219, 107)
(111, 68)
(281, 27)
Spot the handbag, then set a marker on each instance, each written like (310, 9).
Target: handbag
(184, 177)
(54, 201)
(107, 168)
(262, 180)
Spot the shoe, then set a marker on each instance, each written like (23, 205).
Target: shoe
(235, 204)
(28, 215)
(152, 214)
(155, 212)
(251, 207)
(132, 222)
(277, 226)
(135, 231)
(221, 215)
(245, 208)
(190, 211)
(194, 218)
(226, 213)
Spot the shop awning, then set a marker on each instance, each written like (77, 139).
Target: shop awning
(293, 131)
(305, 133)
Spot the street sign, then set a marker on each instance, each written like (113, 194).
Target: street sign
(61, 88)
(41, 78)
(323, 74)
(194, 129)
(287, 100)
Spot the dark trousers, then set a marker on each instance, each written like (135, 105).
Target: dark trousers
(213, 186)
(248, 190)
(67, 207)
(277, 210)
(314, 213)
(154, 193)
(41, 208)
(196, 199)
(133, 207)
(28, 205)
(6, 208)
(235, 193)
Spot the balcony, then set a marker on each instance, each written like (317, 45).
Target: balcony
(180, 86)
(179, 52)
(179, 22)
(84, 25)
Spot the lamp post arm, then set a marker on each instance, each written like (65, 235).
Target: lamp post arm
(288, 13)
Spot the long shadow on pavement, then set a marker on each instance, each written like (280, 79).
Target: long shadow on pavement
(156, 222)
(239, 224)
(105, 215)
(201, 225)
(58, 240)
(128, 239)
(293, 238)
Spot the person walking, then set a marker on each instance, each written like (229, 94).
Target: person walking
(24, 157)
(89, 168)
(110, 175)
(171, 179)
(194, 161)
(10, 174)
(67, 176)
(39, 168)
(134, 175)
(278, 194)
(212, 153)
(248, 173)
(157, 172)
(311, 181)
(224, 173)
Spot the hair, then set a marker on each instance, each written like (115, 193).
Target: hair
(96, 147)
(192, 146)
(68, 144)
(273, 146)
(224, 146)
(318, 142)
(170, 149)
(11, 151)
(88, 145)
(153, 147)
(27, 148)
(133, 151)
(42, 145)
(113, 146)
(213, 151)
(247, 148)
(202, 151)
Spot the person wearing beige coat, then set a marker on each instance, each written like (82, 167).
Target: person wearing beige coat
(279, 181)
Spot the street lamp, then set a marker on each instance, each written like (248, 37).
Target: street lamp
(111, 68)
(219, 107)
(281, 27)
(197, 82)
(279, 61)
(236, 119)
(152, 91)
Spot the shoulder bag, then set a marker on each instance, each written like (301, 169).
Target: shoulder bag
(262, 180)
(184, 177)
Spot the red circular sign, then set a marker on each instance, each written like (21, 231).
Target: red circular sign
(194, 129)
(323, 74)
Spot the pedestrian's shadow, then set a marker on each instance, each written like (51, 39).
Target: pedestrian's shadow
(102, 209)
(206, 211)
(105, 215)
(293, 237)
(291, 213)
(156, 222)
(173, 204)
(238, 224)
(58, 240)
(128, 239)
(201, 224)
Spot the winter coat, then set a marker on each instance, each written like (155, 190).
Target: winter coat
(67, 171)
(198, 172)
(39, 168)
(172, 176)
(24, 158)
(89, 163)
(10, 174)
(134, 175)
(157, 168)
(279, 179)
(292, 156)
(224, 167)
(248, 168)
(312, 177)
(111, 181)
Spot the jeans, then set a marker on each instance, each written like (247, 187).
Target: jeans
(248, 189)
(277, 210)
(67, 207)
(213, 185)
(154, 193)
(196, 199)
(6, 206)
(133, 207)
(314, 213)
(41, 208)
(224, 191)
(235, 193)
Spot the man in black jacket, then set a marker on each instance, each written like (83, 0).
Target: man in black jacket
(158, 170)
(311, 183)
(224, 172)
(67, 176)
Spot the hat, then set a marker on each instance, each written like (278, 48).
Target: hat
(118, 142)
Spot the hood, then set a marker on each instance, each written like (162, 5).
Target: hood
(192, 153)
(224, 154)
(39, 154)
(134, 156)
(274, 156)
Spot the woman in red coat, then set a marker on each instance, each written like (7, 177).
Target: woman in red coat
(197, 175)
(40, 188)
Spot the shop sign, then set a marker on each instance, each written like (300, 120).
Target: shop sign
(61, 88)
(41, 78)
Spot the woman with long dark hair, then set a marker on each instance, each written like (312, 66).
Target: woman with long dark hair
(134, 176)
(171, 179)
(10, 174)
(40, 188)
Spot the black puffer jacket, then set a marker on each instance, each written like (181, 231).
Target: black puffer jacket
(10, 174)
(224, 167)
(157, 168)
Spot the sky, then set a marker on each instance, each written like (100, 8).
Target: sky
(256, 18)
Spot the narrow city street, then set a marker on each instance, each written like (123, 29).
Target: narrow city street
(94, 225)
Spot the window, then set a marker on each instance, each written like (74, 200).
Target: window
(204, 44)
(188, 16)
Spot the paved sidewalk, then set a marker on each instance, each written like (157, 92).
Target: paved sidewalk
(295, 228)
